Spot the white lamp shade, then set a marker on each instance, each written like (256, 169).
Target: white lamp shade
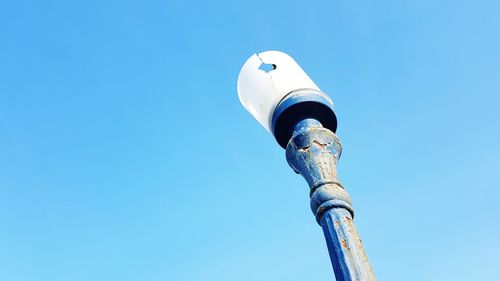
(265, 79)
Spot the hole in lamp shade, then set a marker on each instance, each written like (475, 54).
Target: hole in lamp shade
(267, 67)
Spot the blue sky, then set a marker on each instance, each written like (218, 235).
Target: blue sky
(126, 155)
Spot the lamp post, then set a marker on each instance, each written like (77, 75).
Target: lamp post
(286, 102)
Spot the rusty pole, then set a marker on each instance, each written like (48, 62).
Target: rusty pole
(313, 152)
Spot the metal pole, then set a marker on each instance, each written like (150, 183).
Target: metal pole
(313, 152)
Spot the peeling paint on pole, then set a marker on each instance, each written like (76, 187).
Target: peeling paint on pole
(313, 152)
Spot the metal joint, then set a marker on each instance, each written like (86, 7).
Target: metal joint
(313, 152)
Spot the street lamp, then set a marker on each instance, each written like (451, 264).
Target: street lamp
(287, 103)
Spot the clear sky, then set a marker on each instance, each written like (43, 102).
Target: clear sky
(126, 155)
